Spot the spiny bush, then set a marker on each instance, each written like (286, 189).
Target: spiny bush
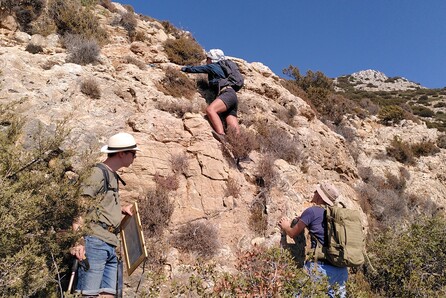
(197, 237)
(311, 79)
(82, 50)
(176, 84)
(409, 262)
(179, 163)
(184, 51)
(278, 143)
(108, 4)
(171, 29)
(266, 173)
(167, 183)
(90, 87)
(401, 151)
(70, 17)
(128, 21)
(406, 153)
(155, 209)
(38, 203)
(135, 61)
(242, 143)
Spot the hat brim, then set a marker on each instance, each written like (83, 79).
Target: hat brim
(105, 149)
(323, 195)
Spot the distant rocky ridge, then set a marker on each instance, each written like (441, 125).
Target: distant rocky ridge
(373, 80)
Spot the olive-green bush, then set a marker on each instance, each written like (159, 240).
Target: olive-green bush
(184, 51)
(409, 262)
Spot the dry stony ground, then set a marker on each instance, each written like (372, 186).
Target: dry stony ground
(48, 89)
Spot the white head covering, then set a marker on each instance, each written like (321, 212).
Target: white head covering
(120, 142)
(215, 55)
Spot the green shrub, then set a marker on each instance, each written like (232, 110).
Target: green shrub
(184, 51)
(81, 50)
(409, 262)
(176, 84)
(422, 111)
(90, 87)
(197, 237)
(38, 202)
(441, 141)
(311, 79)
(391, 114)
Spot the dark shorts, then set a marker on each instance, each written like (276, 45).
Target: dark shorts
(229, 97)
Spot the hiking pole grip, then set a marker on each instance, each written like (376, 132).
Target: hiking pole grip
(73, 273)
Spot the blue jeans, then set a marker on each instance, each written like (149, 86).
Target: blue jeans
(102, 275)
(336, 275)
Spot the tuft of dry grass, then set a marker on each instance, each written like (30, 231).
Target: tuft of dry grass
(90, 87)
(197, 237)
(179, 163)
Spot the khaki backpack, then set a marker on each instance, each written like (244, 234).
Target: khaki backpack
(344, 238)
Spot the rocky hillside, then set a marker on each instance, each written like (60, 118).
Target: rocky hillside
(47, 89)
(373, 80)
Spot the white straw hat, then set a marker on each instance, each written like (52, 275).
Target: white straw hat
(120, 142)
(328, 192)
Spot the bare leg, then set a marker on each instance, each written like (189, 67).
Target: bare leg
(232, 121)
(216, 107)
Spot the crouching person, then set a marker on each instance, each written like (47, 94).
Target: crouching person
(96, 251)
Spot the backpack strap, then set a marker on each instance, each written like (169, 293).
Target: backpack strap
(106, 187)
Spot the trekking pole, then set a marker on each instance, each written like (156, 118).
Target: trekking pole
(73, 273)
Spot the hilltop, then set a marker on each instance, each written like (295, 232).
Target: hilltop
(127, 89)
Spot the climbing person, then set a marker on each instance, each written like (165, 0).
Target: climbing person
(313, 219)
(225, 80)
(96, 251)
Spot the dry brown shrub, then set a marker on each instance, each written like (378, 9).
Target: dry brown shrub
(128, 21)
(441, 141)
(33, 48)
(241, 144)
(168, 183)
(277, 142)
(135, 61)
(197, 237)
(156, 211)
(90, 87)
(177, 107)
(258, 219)
(176, 84)
(82, 50)
(424, 148)
(401, 151)
(184, 51)
(266, 174)
(179, 163)
(233, 187)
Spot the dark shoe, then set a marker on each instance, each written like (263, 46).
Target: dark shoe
(219, 137)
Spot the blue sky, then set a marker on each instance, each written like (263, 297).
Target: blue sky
(397, 37)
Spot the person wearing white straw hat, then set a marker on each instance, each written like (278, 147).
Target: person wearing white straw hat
(96, 251)
(313, 219)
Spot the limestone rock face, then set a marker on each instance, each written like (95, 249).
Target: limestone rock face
(46, 89)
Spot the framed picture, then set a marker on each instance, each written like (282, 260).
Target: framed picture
(134, 247)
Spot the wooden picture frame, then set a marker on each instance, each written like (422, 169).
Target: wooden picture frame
(134, 247)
